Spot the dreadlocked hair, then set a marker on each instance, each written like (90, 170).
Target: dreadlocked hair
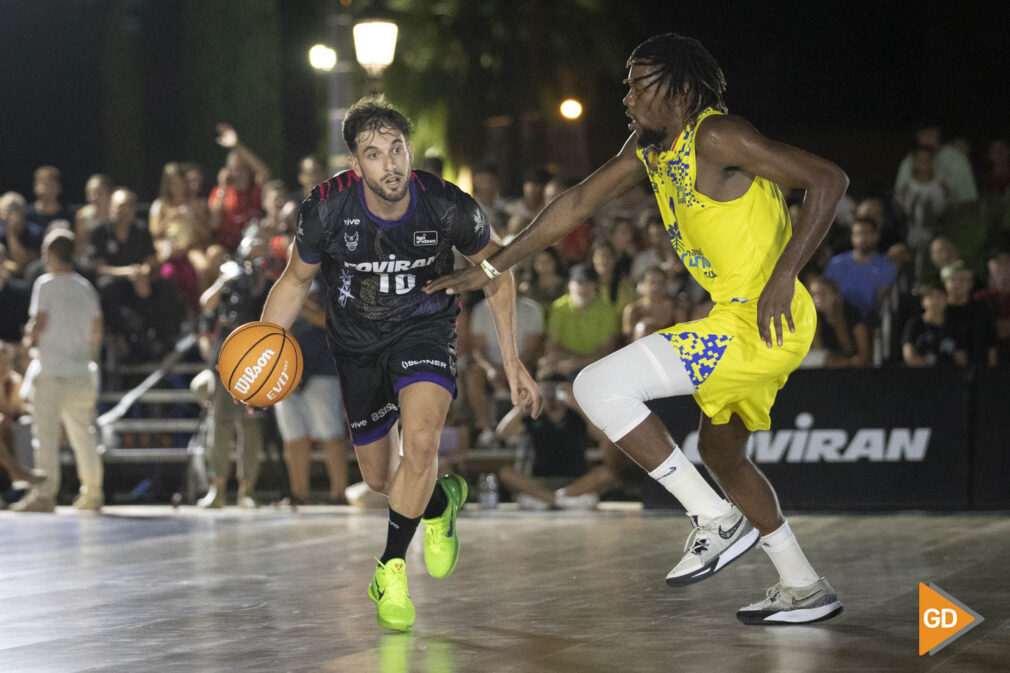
(682, 62)
(372, 113)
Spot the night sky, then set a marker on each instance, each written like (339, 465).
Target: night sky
(847, 80)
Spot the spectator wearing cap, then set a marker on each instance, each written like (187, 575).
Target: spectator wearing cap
(582, 327)
(64, 303)
(862, 275)
(996, 298)
(976, 328)
(929, 339)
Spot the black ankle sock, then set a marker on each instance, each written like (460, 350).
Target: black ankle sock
(398, 536)
(437, 504)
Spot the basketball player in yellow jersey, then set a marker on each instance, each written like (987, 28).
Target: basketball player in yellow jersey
(716, 180)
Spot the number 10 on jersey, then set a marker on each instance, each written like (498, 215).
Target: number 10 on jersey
(402, 282)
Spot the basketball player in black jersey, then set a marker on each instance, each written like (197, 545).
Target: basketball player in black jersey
(381, 232)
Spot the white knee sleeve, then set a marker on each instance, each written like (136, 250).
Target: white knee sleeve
(612, 391)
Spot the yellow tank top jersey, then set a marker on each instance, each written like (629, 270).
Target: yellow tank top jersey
(730, 248)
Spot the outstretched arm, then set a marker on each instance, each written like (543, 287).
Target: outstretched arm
(563, 214)
(228, 137)
(501, 299)
(732, 142)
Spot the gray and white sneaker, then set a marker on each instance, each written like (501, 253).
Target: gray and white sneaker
(793, 605)
(713, 545)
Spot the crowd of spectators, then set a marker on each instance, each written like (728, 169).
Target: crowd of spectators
(917, 276)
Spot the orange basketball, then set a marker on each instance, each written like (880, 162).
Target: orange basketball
(260, 364)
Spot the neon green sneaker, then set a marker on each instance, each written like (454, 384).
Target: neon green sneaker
(441, 544)
(389, 589)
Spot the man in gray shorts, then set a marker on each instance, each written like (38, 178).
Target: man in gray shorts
(315, 411)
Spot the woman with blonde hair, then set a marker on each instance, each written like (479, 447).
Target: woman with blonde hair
(175, 224)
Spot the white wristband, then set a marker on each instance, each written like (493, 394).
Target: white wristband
(489, 269)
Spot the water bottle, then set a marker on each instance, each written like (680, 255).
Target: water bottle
(488, 491)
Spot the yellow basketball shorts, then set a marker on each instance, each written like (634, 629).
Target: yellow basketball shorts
(733, 371)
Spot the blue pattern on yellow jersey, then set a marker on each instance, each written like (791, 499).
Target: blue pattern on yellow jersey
(678, 168)
(699, 353)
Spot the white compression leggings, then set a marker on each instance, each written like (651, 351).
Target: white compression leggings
(612, 391)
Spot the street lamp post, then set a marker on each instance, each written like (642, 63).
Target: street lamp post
(374, 46)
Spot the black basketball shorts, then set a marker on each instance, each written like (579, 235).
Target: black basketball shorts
(371, 383)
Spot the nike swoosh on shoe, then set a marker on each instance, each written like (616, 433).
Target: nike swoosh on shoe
(727, 534)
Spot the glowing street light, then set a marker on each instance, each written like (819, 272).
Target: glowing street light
(375, 44)
(322, 58)
(571, 109)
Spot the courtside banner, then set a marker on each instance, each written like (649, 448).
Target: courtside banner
(859, 439)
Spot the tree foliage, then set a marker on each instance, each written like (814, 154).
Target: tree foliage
(496, 58)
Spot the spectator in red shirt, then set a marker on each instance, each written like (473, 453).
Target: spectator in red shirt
(996, 298)
(237, 198)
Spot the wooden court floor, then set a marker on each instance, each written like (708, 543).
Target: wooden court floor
(162, 590)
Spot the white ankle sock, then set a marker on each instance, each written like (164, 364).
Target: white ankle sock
(682, 479)
(785, 553)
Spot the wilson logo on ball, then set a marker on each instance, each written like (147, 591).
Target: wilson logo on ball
(249, 375)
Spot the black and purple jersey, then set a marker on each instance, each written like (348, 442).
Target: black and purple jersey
(375, 268)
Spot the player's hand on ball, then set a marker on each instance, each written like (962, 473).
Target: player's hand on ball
(462, 281)
(774, 302)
